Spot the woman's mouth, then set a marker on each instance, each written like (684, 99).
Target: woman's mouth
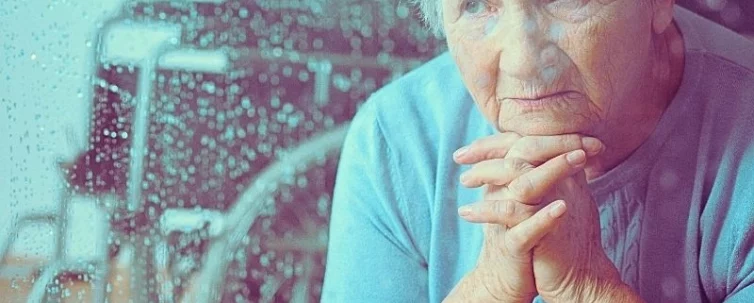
(541, 102)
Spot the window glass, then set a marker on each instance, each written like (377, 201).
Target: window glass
(161, 151)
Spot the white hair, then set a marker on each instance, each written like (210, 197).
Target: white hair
(431, 11)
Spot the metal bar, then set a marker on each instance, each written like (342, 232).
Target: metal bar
(322, 74)
(243, 57)
(142, 276)
(139, 134)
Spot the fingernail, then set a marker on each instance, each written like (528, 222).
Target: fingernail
(576, 157)
(464, 178)
(591, 145)
(464, 211)
(557, 209)
(460, 152)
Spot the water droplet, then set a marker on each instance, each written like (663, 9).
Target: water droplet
(209, 87)
(402, 11)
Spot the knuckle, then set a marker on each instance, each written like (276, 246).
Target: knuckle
(500, 211)
(522, 188)
(510, 166)
(508, 208)
(491, 212)
(513, 153)
(515, 168)
(519, 151)
(520, 165)
(494, 153)
(570, 141)
(532, 146)
(487, 171)
(518, 148)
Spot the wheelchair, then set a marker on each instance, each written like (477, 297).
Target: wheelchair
(214, 139)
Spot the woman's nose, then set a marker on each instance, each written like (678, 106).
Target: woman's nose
(521, 45)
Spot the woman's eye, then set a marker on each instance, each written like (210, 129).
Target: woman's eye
(475, 7)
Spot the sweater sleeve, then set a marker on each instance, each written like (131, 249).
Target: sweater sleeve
(370, 255)
(727, 243)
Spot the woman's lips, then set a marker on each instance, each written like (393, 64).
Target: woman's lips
(541, 102)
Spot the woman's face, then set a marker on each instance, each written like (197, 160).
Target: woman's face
(543, 67)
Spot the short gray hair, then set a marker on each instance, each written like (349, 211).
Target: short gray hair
(431, 11)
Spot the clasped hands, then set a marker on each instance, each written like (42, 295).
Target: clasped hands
(541, 224)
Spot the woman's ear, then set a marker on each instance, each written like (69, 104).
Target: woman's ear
(662, 15)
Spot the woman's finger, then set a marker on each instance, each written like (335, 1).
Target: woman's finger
(492, 147)
(533, 149)
(523, 195)
(523, 237)
(502, 212)
(530, 187)
(494, 172)
(538, 149)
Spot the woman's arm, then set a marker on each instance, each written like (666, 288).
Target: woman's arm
(371, 256)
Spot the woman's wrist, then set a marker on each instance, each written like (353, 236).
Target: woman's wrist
(618, 292)
(611, 288)
(614, 291)
(607, 286)
(475, 287)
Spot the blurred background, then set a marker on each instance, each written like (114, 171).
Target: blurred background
(185, 151)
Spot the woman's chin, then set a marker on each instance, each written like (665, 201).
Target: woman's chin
(540, 126)
(554, 117)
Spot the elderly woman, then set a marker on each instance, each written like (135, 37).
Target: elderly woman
(563, 150)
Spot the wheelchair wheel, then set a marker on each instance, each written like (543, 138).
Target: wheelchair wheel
(275, 247)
